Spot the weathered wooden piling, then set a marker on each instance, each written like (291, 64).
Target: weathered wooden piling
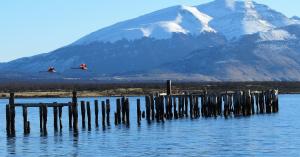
(60, 117)
(186, 105)
(119, 120)
(96, 113)
(25, 120)
(168, 103)
(12, 113)
(175, 108)
(152, 108)
(8, 131)
(138, 110)
(103, 113)
(127, 111)
(108, 112)
(55, 115)
(261, 103)
(70, 113)
(161, 109)
(191, 106)
(196, 107)
(88, 107)
(180, 107)
(82, 107)
(148, 107)
(41, 117)
(75, 111)
(116, 118)
(169, 87)
(123, 109)
(45, 116)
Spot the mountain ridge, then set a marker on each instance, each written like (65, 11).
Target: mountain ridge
(185, 43)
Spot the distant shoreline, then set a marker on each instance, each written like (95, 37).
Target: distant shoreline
(50, 90)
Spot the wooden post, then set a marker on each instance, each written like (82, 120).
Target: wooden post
(12, 113)
(118, 111)
(45, 114)
(138, 103)
(169, 87)
(276, 103)
(8, 131)
(103, 113)
(156, 98)
(175, 108)
(152, 106)
(147, 103)
(261, 103)
(252, 104)
(186, 105)
(70, 115)
(179, 112)
(170, 106)
(116, 118)
(89, 114)
(166, 102)
(162, 110)
(96, 113)
(41, 117)
(60, 117)
(28, 127)
(25, 121)
(55, 118)
(127, 111)
(191, 106)
(123, 109)
(75, 112)
(108, 112)
(82, 103)
(197, 112)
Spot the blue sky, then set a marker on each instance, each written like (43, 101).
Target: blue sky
(30, 27)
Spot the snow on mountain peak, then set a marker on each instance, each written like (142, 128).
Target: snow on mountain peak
(232, 18)
(160, 25)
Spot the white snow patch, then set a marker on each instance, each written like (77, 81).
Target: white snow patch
(230, 4)
(276, 35)
(172, 27)
(252, 22)
(249, 4)
(146, 32)
(203, 18)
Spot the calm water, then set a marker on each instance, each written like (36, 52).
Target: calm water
(260, 135)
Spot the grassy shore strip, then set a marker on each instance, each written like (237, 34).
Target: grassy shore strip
(31, 90)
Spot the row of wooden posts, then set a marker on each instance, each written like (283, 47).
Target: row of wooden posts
(158, 107)
(211, 105)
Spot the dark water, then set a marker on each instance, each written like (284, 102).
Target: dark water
(261, 135)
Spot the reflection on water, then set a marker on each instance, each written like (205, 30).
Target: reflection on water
(260, 135)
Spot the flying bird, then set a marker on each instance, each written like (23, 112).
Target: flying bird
(82, 67)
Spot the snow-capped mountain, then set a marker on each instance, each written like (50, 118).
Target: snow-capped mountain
(235, 18)
(220, 40)
(228, 17)
(160, 25)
